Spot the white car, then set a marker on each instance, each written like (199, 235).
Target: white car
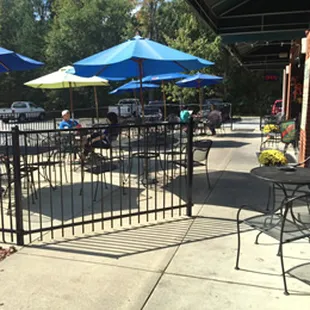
(22, 111)
(126, 108)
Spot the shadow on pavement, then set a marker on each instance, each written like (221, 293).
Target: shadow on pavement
(228, 144)
(246, 135)
(145, 238)
(68, 202)
(235, 189)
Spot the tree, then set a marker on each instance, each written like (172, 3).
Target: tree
(22, 32)
(147, 17)
(192, 38)
(80, 29)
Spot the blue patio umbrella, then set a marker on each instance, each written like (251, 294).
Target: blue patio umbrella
(164, 77)
(138, 57)
(11, 61)
(161, 78)
(133, 86)
(198, 81)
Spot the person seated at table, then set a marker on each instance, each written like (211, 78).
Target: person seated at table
(184, 115)
(104, 139)
(67, 122)
(214, 119)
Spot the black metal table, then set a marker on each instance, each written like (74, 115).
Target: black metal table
(283, 176)
(146, 156)
(32, 151)
(276, 222)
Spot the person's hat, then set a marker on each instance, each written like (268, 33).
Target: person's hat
(64, 112)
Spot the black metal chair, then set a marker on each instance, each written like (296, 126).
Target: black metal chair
(201, 150)
(289, 222)
(114, 157)
(7, 178)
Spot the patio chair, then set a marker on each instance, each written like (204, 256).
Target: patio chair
(289, 134)
(7, 178)
(288, 223)
(201, 151)
(98, 163)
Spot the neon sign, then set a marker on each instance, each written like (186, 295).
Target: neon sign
(271, 77)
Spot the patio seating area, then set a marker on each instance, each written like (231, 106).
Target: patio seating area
(58, 185)
(179, 262)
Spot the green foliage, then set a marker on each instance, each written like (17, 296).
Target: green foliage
(21, 32)
(194, 39)
(80, 29)
(60, 32)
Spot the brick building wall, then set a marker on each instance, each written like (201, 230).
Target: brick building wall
(304, 142)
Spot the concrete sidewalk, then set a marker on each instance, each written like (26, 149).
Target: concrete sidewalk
(184, 263)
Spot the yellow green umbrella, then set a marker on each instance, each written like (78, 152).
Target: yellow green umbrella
(65, 78)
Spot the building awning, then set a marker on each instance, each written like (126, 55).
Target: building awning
(259, 33)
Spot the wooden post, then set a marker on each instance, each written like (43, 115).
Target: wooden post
(164, 99)
(96, 103)
(71, 100)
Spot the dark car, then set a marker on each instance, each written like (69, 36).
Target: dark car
(152, 114)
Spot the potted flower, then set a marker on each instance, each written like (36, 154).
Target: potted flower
(270, 128)
(272, 158)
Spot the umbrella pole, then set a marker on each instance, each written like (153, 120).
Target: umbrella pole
(145, 161)
(96, 103)
(141, 89)
(200, 97)
(71, 100)
(164, 99)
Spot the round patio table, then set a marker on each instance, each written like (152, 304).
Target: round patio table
(286, 175)
(283, 177)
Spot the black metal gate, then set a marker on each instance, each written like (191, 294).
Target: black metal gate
(56, 183)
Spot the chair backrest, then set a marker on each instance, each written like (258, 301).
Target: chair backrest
(6, 169)
(288, 131)
(199, 155)
(299, 216)
(201, 150)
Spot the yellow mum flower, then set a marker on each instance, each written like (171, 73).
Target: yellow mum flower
(272, 158)
(270, 128)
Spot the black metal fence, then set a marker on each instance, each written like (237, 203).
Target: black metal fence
(88, 116)
(56, 183)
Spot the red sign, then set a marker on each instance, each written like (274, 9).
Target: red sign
(271, 77)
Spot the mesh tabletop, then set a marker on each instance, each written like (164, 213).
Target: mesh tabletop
(283, 175)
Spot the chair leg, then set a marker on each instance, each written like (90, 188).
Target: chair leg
(283, 269)
(271, 197)
(256, 239)
(96, 189)
(31, 189)
(65, 170)
(207, 175)
(104, 177)
(239, 239)
(33, 184)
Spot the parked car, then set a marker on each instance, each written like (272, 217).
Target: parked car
(126, 108)
(152, 114)
(22, 111)
(276, 107)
